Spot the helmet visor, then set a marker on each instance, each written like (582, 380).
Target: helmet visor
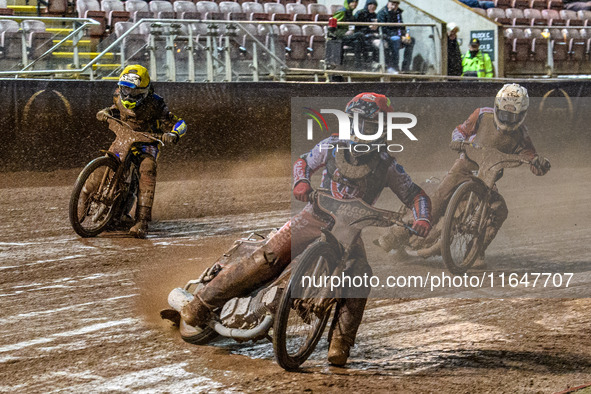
(365, 128)
(510, 118)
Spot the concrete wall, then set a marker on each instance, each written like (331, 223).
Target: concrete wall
(468, 20)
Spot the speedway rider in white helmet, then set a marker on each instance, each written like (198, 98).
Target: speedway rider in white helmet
(500, 128)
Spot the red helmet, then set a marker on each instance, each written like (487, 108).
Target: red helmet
(364, 111)
(368, 105)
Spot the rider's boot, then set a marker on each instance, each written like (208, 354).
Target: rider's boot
(147, 186)
(395, 238)
(90, 186)
(342, 333)
(196, 313)
(140, 229)
(236, 280)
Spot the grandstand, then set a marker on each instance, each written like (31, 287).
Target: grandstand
(278, 40)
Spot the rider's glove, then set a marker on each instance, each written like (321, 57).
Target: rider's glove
(170, 138)
(103, 115)
(302, 190)
(422, 227)
(457, 145)
(540, 166)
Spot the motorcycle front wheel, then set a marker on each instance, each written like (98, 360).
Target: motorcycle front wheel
(93, 201)
(461, 239)
(302, 315)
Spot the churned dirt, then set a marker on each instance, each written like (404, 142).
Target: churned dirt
(81, 315)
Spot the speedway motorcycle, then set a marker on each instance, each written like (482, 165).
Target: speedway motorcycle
(459, 235)
(289, 315)
(105, 192)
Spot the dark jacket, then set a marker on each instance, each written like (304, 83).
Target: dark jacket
(152, 115)
(454, 57)
(343, 14)
(385, 16)
(364, 15)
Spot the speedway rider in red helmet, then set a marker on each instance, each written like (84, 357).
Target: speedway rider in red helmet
(345, 175)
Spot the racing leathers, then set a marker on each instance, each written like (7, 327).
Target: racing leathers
(480, 129)
(151, 116)
(373, 172)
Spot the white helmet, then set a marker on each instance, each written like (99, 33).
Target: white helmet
(511, 106)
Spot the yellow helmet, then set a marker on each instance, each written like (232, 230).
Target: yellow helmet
(134, 84)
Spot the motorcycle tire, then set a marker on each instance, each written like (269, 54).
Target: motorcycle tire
(86, 226)
(460, 240)
(293, 325)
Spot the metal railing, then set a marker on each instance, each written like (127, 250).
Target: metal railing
(268, 60)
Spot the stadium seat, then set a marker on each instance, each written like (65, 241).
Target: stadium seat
(209, 10)
(295, 42)
(38, 39)
(535, 17)
(298, 12)
(334, 8)
(555, 5)
(137, 9)
(316, 41)
(232, 11)
(318, 9)
(161, 9)
(521, 4)
(539, 45)
(255, 11)
(585, 16)
(538, 4)
(503, 3)
(134, 43)
(185, 9)
(517, 16)
(498, 15)
(277, 12)
(571, 18)
(115, 12)
(560, 44)
(10, 39)
(320, 12)
(92, 9)
(4, 10)
(578, 45)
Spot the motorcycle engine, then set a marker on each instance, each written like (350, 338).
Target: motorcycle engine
(247, 312)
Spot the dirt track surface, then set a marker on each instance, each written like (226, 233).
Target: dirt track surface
(81, 315)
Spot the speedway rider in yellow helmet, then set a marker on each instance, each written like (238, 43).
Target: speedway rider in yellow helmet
(143, 110)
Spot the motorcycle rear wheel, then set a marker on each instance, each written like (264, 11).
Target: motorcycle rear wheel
(88, 215)
(296, 331)
(460, 239)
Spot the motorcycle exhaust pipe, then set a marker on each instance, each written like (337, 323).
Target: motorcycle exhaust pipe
(178, 298)
(240, 334)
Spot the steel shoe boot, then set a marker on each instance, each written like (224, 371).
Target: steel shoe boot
(338, 352)
(196, 313)
(140, 229)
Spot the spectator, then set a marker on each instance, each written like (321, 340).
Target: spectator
(475, 63)
(478, 4)
(370, 33)
(574, 5)
(396, 36)
(454, 54)
(347, 34)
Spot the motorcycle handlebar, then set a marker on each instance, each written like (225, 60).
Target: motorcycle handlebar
(131, 129)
